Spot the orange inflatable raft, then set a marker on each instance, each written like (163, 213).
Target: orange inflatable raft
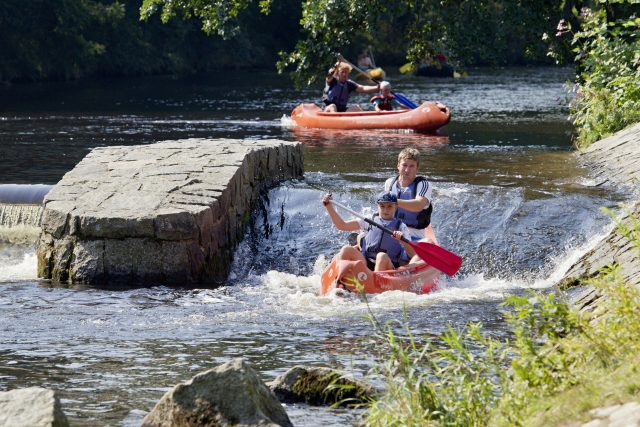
(418, 278)
(427, 117)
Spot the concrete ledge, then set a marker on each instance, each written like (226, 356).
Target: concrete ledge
(169, 213)
(614, 161)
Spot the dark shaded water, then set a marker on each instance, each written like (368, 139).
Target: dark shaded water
(509, 197)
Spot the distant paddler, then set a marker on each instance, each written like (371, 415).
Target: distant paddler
(368, 64)
(338, 88)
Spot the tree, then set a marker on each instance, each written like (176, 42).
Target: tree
(479, 32)
(606, 47)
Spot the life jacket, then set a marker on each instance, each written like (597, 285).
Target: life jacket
(336, 93)
(376, 240)
(412, 219)
(385, 103)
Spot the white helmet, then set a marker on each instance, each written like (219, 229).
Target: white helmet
(385, 85)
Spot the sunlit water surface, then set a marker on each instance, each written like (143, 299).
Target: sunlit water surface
(510, 197)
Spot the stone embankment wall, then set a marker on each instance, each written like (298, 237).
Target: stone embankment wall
(615, 161)
(165, 213)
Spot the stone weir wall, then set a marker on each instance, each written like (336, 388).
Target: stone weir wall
(615, 161)
(169, 213)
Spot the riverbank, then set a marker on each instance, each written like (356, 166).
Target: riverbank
(615, 163)
(593, 354)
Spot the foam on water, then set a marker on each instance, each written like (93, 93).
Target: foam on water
(299, 295)
(24, 269)
(287, 121)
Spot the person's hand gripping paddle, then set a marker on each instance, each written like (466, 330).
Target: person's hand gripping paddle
(434, 255)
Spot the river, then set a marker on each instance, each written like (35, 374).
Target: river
(509, 196)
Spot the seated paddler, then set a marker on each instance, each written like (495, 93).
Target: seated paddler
(380, 250)
(338, 87)
(385, 101)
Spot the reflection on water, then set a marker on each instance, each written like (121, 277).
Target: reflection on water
(366, 138)
(509, 197)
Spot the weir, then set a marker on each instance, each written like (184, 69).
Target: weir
(20, 210)
(13, 215)
(31, 194)
(166, 213)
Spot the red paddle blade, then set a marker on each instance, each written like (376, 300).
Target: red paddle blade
(438, 257)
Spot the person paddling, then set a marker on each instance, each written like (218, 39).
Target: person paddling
(379, 250)
(338, 87)
(385, 101)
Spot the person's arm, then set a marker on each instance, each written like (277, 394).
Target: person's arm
(341, 224)
(376, 105)
(407, 247)
(420, 202)
(367, 89)
(333, 72)
(414, 205)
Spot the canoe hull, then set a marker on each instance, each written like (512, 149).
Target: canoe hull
(428, 117)
(418, 278)
(439, 70)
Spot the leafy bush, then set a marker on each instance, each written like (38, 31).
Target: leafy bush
(607, 52)
(559, 363)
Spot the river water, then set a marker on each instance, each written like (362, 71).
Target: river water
(509, 197)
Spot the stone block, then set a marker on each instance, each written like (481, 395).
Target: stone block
(174, 224)
(172, 211)
(33, 407)
(88, 262)
(62, 251)
(54, 217)
(133, 261)
(175, 262)
(99, 225)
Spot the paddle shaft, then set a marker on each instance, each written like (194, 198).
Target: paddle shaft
(370, 221)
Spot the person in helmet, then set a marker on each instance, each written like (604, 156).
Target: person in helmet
(380, 250)
(385, 101)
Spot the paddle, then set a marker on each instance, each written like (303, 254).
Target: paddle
(434, 255)
(401, 98)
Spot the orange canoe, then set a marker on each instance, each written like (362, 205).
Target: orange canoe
(428, 117)
(418, 278)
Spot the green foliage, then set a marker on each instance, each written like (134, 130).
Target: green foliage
(563, 362)
(607, 50)
(471, 32)
(51, 39)
(451, 383)
(68, 39)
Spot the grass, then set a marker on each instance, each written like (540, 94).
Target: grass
(559, 363)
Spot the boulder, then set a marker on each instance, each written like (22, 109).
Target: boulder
(228, 395)
(31, 407)
(319, 386)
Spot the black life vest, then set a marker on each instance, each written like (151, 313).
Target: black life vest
(337, 93)
(417, 220)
